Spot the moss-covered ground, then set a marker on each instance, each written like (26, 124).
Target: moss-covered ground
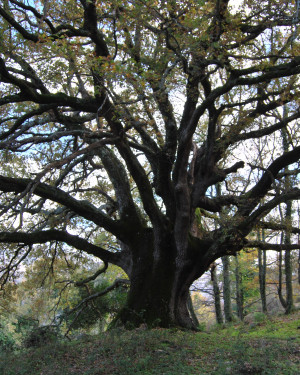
(264, 346)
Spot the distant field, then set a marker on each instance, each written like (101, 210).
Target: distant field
(260, 347)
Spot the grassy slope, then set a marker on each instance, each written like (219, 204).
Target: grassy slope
(269, 347)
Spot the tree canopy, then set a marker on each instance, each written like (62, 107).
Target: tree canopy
(147, 134)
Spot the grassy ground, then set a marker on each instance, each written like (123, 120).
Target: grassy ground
(261, 347)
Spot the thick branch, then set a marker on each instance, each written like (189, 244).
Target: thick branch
(82, 208)
(266, 181)
(136, 170)
(93, 277)
(56, 235)
(278, 227)
(19, 122)
(216, 204)
(265, 131)
(206, 175)
(294, 194)
(118, 177)
(271, 246)
(269, 73)
(18, 27)
(117, 283)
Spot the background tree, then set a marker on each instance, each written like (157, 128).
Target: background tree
(262, 269)
(287, 236)
(227, 289)
(117, 121)
(217, 293)
(239, 295)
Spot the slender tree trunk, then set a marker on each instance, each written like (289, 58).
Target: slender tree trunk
(262, 265)
(192, 311)
(227, 289)
(298, 250)
(226, 277)
(289, 284)
(287, 236)
(288, 264)
(262, 279)
(217, 294)
(239, 289)
(299, 267)
(280, 295)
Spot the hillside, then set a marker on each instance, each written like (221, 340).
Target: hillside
(259, 347)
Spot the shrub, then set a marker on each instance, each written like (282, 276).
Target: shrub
(40, 336)
(260, 317)
(7, 342)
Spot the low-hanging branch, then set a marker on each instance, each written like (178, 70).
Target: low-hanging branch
(44, 236)
(83, 208)
(116, 284)
(92, 277)
(80, 307)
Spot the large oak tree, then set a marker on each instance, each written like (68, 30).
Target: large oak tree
(118, 122)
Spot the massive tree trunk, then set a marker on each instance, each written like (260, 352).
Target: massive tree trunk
(160, 282)
(156, 298)
(156, 302)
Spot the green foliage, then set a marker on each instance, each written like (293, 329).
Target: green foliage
(24, 324)
(37, 301)
(7, 341)
(95, 312)
(202, 327)
(259, 317)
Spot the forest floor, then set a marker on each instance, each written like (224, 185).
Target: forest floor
(264, 346)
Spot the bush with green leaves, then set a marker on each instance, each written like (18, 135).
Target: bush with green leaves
(40, 336)
(24, 324)
(7, 341)
(96, 311)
